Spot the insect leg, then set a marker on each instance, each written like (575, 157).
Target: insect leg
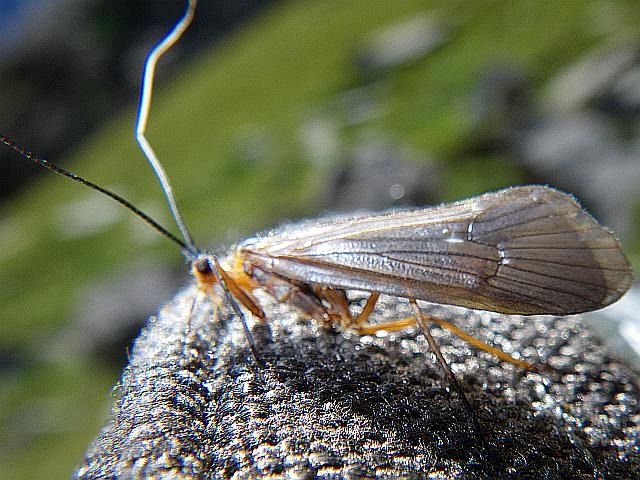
(192, 309)
(299, 295)
(338, 303)
(223, 277)
(424, 326)
(216, 305)
(366, 312)
(238, 292)
(391, 326)
(470, 339)
(339, 306)
(396, 325)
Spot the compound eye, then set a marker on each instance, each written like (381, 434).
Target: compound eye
(203, 266)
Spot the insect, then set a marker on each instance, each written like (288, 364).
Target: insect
(524, 250)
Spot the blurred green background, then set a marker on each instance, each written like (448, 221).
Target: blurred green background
(305, 107)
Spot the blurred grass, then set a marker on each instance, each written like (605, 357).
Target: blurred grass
(268, 77)
(47, 432)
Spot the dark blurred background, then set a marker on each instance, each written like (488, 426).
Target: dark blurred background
(75, 65)
(266, 112)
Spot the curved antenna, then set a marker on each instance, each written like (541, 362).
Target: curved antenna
(143, 115)
(43, 162)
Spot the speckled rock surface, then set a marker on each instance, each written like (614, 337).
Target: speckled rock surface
(192, 403)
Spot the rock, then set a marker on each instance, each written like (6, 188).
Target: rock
(192, 403)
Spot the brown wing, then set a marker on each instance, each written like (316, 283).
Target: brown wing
(528, 250)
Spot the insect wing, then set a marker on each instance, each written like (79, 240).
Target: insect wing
(528, 250)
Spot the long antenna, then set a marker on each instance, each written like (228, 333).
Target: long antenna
(143, 115)
(167, 42)
(43, 162)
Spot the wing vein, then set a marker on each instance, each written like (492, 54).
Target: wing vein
(517, 224)
(543, 234)
(511, 265)
(443, 267)
(563, 264)
(387, 252)
(538, 285)
(588, 249)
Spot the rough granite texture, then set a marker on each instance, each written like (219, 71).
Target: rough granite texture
(192, 403)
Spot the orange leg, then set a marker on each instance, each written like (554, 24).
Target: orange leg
(235, 294)
(338, 304)
(366, 311)
(396, 325)
(241, 293)
(339, 307)
(391, 326)
(217, 302)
